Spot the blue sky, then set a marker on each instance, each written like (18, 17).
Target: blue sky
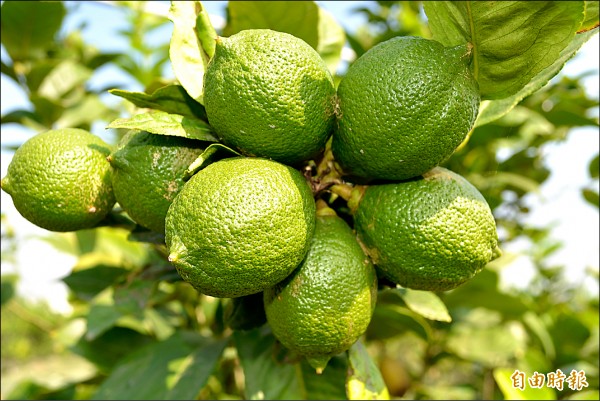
(559, 202)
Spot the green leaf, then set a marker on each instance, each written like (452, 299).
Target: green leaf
(168, 370)
(510, 392)
(28, 28)
(9, 71)
(100, 318)
(330, 384)
(205, 31)
(8, 288)
(390, 320)
(257, 352)
(188, 56)
(506, 179)
(161, 123)
(19, 116)
(63, 78)
(482, 291)
(425, 303)
(591, 16)
(194, 371)
(491, 110)
(481, 337)
(171, 99)
(52, 372)
(208, 156)
(594, 166)
(537, 326)
(112, 345)
(591, 196)
(507, 55)
(84, 113)
(299, 18)
(332, 39)
(303, 19)
(364, 381)
(88, 283)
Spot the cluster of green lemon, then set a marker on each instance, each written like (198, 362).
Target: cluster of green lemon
(253, 223)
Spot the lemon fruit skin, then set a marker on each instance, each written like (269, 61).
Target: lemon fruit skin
(269, 94)
(60, 180)
(149, 173)
(431, 233)
(404, 107)
(326, 304)
(240, 225)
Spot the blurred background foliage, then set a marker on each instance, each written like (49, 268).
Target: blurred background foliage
(135, 324)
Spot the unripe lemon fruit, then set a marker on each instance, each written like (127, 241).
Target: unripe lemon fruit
(269, 94)
(60, 180)
(404, 107)
(149, 173)
(431, 233)
(326, 304)
(240, 225)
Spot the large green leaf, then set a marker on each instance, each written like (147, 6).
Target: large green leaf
(299, 18)
(107, 349)
(63, 78)
(263, 359)
(329, 384)
(256, 350)
(170, 99)
(52, 372)
(28, 27)
(190, 48)
(364, 381)
(332, 39)
(303, 19)
(84, 113)
(87, 283)
(591, 16)
(482, 291)
(425, 303)
(161, 123)
(491, 110)
(172, 369)
(513, 41)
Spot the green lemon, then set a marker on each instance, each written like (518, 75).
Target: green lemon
(326, 304)
(240, 225)
(60, 180)
(434, 232)
(269, 94)
(404, 107)
(148, 174)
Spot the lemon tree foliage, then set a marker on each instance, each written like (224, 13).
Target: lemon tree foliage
(275, 224)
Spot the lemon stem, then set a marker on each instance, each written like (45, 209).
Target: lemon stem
(344, 191)
(323, 209)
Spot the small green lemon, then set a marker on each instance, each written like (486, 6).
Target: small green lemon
(60, 180)
(431, 233)
(326, 304)
(240, 225)
(404, 107)
(269, 94)
(148, 174)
